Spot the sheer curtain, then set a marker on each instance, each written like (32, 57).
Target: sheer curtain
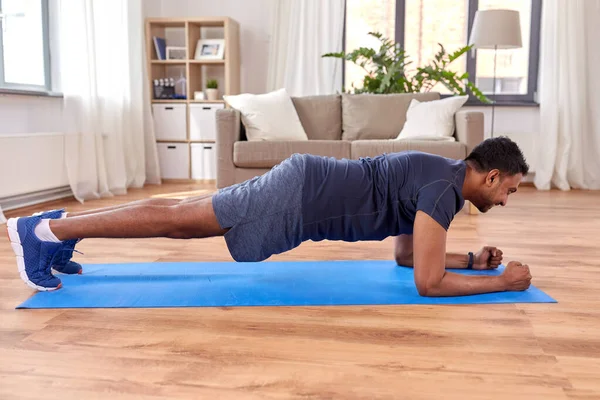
(109, 145)
(568, 144)
(303, 30)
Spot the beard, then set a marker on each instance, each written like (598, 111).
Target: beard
(485, 209)
(483, 205)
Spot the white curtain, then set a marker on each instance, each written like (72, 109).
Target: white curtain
(302, 31)
(109, 145)
(568, 143)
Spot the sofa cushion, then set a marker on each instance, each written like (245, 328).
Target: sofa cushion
(321, 116)
(268, 116)
(432, 118)
(377, 116)
(372, 148)
(269, 154)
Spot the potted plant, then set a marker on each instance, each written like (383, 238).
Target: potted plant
(387, 70)
(212, 89)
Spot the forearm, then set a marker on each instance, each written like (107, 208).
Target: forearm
(453, 261)
(453, 284)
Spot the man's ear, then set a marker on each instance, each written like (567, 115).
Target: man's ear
(492, 177)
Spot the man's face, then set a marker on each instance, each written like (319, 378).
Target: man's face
(496, 189)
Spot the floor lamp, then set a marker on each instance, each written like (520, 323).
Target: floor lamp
(496, 29)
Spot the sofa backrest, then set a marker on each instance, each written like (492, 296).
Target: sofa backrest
(356, 116)
(377, 116)
(320, 116)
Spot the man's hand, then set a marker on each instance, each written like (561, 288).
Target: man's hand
(517, 276)
(488, 257)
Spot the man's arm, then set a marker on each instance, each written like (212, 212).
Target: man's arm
(431, 277)
(487, 258)
(403, 251)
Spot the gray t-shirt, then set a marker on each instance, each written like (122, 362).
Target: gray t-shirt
(373, 198)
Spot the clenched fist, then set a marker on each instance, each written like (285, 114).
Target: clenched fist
(517, 276)
(489, 257)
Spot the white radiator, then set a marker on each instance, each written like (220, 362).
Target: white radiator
(32, 169)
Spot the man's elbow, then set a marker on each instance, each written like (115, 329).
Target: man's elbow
(404, 259)
(424, 290)
(428, 288)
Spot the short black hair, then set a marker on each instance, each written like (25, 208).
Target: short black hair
(499, 153)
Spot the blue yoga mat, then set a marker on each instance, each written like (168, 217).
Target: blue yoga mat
(292, 283)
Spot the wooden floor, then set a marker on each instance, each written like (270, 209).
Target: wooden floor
(524, 351)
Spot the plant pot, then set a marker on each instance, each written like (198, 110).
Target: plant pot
(211, 94)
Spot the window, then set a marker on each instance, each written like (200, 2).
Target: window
(419, 25)
(511, 65)
(24, 51)
(366, 16)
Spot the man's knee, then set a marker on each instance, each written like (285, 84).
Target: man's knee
(178, 223)
(191, 220)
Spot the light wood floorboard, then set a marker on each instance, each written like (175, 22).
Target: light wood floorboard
(521, 351)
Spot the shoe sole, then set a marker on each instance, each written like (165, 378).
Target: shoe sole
(15, 242)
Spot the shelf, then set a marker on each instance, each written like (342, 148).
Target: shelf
(207, 101)
(168, 101)
(218, 22)
(186, 141)
(166, 22)
(207, 61)
(169, 62)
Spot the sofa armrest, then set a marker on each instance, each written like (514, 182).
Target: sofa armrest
(228, 132)
(469, 128)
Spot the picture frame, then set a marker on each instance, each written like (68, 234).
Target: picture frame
(210, 49)
(176, 53)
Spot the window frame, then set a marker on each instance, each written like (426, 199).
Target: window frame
(530, 98)
(23, 88)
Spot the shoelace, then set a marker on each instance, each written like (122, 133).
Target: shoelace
(70, 249)
(49, 261)
(62, 250)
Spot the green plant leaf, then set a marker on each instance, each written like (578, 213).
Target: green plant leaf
(459, 52)
(386, 70)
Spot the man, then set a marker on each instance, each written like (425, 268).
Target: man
(411, 195)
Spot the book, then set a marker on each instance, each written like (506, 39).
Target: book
(160, 46)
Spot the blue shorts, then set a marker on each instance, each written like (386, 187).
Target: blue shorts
(263, 214)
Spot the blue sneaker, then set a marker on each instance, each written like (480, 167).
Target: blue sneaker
(62, 263)
(34, 257)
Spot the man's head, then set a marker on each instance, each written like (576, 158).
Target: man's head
(499, 165)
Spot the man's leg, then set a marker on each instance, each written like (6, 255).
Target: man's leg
(147, 202)
(172, 218)
(63, 261)
(36, 251)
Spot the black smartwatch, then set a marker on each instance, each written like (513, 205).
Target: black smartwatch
(470, 265)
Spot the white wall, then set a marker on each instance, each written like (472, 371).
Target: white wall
(254, 17)
(29, 114)
(30, 135)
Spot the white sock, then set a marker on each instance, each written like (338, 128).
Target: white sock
(43, 232)
(64, 215)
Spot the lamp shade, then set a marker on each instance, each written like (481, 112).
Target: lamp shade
(496, 29)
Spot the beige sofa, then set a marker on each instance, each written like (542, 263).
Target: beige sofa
(341, 126)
